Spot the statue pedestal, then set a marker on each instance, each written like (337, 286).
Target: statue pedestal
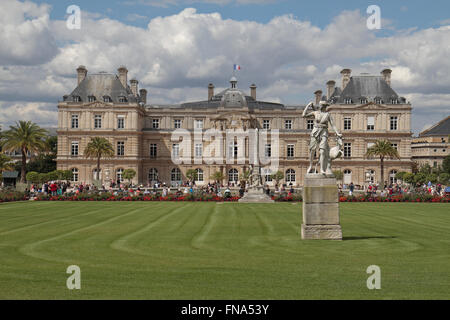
(256, 195)
(320, 208)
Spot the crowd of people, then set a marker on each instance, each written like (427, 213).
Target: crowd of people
(397, 189)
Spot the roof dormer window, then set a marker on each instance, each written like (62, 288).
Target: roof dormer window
(107, 99)
(394, 101)
(122, 99)
(91, 98)
(76, 99)
(363, 100)
(378, 100)
(348, 100)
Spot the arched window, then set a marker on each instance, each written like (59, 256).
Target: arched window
(119, 175)
(75, 174)
(233, 175)
(290, 175)
(95, 175)
(175, 175)
(199, 174)
(347, 176)
(392, 178)
(152, 175)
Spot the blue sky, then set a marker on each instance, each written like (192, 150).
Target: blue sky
(403, 14)
(175, 48)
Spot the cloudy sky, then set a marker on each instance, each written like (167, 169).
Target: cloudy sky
(175, 48)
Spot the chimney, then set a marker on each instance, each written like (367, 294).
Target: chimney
(387, 76)
(346, 73)
(134, 86)
(253, 91)
(143, 94)
(82, 72)
(318, 95)
(210, 91)
(123, 73)
(330, 88)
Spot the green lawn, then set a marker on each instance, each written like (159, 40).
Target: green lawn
(143, 250)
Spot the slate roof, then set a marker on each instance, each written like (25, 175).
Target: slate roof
(100, 85)
(10, 174)
(366, 86)
(442, 128)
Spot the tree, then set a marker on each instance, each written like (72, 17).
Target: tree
(277, 176)
(401, 175)
(33, 177)
(382, 149)
(218, 176)
(444, 178)
(191, 174)
(5, 163)
(98, 148)
(129, 174)
(338, 174)
(25, 136)
(408, 177)
(446, 164)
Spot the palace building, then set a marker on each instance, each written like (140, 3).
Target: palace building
(432, 145)
(365, 108)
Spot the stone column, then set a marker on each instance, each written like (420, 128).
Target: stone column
(320, 208)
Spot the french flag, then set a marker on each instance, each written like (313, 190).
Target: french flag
(237, 67)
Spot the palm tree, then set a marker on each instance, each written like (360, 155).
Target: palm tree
(218, 176)
(5, 163)
(98, 148)
(25, 136)
(382, 149)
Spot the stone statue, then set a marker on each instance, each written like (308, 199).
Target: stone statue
(319, 138)
(255, 177)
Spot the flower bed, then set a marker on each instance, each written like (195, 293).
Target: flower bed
(214, 198)
(396, 198)
(10, 196)
(111, 197)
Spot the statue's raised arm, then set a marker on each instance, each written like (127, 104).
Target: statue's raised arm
(309, 110)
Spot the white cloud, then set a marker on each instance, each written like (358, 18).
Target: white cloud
(25, 35)
(175, 57)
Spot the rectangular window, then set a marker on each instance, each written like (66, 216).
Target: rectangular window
(370, 123)
(268, 150)
(175, 151)
(347, 150)
(290, 151)
(97, 121)
(155, 123)
(233, 149)
(288, 124)
(310, 124)
(198, 150)
(120, 148)
(394, 123)
(153, 150)
(120, 122)
(199, 124)
(177, 123)
(74, 123)
(347, 123)
(370, 144)
(395, 146)
(266, 124)
(74, 149)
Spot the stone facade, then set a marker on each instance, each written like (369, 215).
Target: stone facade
(108, 105)
(432, 145)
